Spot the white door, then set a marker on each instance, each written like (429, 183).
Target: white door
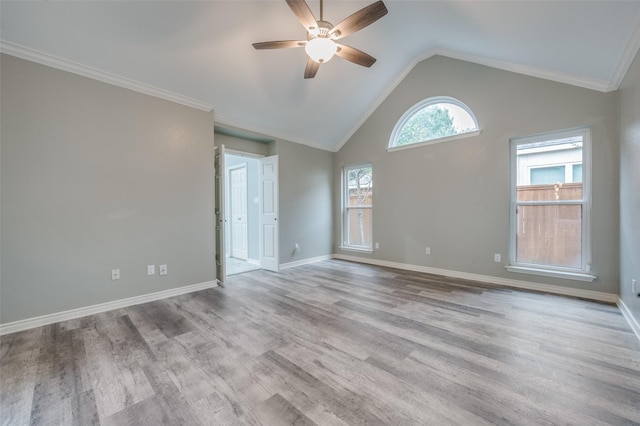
(239, 237)
(220, 217)
(269, 258)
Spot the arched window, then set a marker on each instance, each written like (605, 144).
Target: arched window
(433, 120)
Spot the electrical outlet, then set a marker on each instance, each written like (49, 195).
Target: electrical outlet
(163, 269)
(497, 257)
(427, 250)
(115, 274)
(377, 245)
(151, 269)
(297, 248)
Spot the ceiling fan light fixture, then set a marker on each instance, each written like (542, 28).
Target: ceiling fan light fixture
(322, 36)
(321, 49)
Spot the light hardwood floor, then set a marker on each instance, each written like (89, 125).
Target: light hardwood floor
(333, 343)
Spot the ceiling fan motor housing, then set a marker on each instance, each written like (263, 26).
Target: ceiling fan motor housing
(323, 29)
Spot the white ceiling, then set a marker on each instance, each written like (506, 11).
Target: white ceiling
(202, 50)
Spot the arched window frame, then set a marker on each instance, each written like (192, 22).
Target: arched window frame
(424, 104)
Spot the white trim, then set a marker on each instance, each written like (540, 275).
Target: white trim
(358, 249)
(629, 54)
(557, 76)
(626, 313)
(223, 120)
(583, 273)
(345, 208)
(243, 154)
(253, 261)
(423, 104)
(376, 104)
(15, 326)
(33, 55)
(434, 141)
(103, 76)
(551, 273)
(507, 282)
(305, 261)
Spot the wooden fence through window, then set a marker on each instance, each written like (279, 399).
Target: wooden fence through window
(550, 234)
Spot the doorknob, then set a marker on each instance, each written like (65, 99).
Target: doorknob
(275, 218)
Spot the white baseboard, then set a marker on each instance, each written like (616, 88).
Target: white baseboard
(12, 327)
(507, 282)
(305, 261)
(253, 261)
(626, 312)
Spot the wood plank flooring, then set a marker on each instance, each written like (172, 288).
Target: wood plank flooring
(333, 343)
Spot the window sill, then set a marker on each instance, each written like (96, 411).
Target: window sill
(434, 141)
(357, 249)
(577, 276)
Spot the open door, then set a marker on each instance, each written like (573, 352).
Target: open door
(238, 214)
(269, 256)
(220, 215)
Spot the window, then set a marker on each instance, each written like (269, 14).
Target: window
(431, 121)
(357, 207)
(550, 198)
(547, 175)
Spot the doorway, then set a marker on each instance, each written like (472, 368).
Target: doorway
(246, 209)
(242, 191)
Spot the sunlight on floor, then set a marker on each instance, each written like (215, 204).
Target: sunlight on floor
(238, 266)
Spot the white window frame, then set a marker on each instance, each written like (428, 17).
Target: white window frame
(584, 272)
(346, 208)
(424, 104)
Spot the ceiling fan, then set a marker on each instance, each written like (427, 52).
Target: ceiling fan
(320, 44)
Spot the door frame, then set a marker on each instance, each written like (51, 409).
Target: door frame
(223, 196)
(220, 217)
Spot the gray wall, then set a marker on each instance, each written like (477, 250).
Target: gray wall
(629, 112)
(454, 197)
(96, 177)
(306, 206)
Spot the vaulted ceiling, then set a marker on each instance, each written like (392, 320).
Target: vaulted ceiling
(202, 51)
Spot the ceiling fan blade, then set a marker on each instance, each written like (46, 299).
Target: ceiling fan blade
(354, 55)
(311, 69)
(303, 13)
(362, 18)
(282, 44)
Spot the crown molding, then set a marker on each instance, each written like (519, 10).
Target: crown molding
(629, 54)
(557, 76)
(223, 120)
(95, 74)
(374, 106)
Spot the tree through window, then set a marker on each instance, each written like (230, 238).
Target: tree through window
(433, 120)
